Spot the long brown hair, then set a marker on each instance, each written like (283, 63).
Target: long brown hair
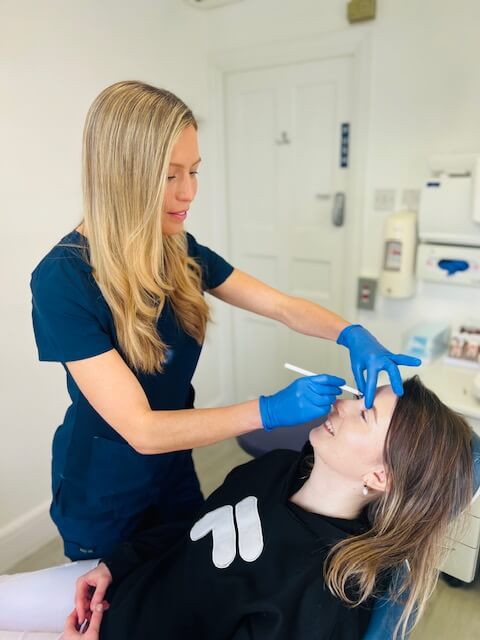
(428, 459)
(129, 135)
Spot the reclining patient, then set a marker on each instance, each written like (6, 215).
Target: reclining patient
(297, 545)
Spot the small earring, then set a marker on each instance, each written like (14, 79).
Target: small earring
(365, 490)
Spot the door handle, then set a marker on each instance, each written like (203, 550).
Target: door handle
(338, 209)
(284, 139)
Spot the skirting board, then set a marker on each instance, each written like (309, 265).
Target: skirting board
(25, 535)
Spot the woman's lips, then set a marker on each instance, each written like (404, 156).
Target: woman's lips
(327, 425)
(178, 215)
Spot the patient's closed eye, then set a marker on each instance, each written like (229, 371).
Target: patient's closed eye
(369, 415)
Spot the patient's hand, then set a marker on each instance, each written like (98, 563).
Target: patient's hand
(90, 591)
(88, 631)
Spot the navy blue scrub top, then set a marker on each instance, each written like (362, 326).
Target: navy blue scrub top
(72, 321)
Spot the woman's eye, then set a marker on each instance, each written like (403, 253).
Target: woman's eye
(171, 177)
(364, 415)
(194, 173)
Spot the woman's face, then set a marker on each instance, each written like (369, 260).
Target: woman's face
(351, 440)
(182, 181)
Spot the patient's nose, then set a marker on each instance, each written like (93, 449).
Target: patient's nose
(338, 407)
(346, 407)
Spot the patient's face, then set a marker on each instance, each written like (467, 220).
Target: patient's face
(351, 441)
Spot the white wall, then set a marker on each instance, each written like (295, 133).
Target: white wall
(56, 56)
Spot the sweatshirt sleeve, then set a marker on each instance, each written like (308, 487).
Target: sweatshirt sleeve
(145, 546)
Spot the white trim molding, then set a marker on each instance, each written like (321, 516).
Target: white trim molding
(25, 535)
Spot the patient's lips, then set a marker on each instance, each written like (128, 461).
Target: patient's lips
(329, 427)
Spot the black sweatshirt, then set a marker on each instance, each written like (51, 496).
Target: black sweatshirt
(251, 567)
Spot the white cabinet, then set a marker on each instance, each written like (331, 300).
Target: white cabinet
(453, 385)
(461, 562)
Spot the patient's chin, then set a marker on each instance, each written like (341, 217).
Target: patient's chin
(316, 436)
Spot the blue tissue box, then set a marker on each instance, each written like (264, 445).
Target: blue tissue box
(427, 340)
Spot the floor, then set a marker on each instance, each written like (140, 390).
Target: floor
(453, 613)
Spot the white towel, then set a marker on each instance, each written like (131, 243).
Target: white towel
(39, 601)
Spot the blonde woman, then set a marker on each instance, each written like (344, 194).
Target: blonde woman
(291, 546)
(119, 302)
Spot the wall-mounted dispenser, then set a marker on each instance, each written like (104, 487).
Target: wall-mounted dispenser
(397, 279)
(449, 210)
(450, 264)
(449, 221)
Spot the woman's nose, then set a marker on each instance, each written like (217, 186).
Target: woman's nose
(338, 407)
(186, 190)
(346, 407)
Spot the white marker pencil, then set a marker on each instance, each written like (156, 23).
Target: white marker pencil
(304, 372)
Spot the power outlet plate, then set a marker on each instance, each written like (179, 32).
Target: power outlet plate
(367, 289)
(359, 10)
(411, 199)
(384, 199)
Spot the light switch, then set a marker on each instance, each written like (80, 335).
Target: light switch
(384, 199)
(411, 199)
(367, 288)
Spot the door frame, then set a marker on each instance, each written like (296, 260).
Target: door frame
(355, 44)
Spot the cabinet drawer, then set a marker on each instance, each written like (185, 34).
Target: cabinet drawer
(474, 423)
(461, 562)
(468, 533)
(475, 508)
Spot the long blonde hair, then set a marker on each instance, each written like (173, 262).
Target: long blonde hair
(429, 463)
(129, 135)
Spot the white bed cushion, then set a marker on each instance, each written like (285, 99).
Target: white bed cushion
(28, 635)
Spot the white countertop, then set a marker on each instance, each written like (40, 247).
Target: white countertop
(453, 385)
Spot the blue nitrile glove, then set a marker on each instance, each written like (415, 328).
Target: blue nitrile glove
(366, 353)
(303, 400)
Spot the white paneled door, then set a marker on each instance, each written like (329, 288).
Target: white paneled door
(287, 151)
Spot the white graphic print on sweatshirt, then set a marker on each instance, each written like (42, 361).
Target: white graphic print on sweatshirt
(222, 525)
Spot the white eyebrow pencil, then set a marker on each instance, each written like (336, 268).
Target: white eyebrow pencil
(304, 372)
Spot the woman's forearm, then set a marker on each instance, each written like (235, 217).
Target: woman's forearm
(311, 319)
(117, 396)
(163, 431)
(246, 292)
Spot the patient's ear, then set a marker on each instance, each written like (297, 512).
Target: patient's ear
(377, 480)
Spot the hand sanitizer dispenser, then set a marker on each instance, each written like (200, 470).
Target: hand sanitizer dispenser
(397, 279)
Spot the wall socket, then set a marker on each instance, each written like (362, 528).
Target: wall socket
(359, 10)
(366, 293)
(411, 199)
(384, 199)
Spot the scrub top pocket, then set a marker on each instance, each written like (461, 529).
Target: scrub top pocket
(122, 480)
